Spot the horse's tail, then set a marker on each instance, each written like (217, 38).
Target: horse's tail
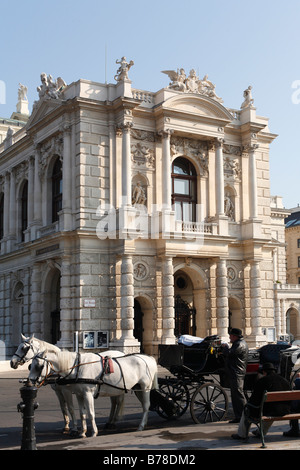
(155, 382)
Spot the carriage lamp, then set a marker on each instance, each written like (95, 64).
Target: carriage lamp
(26, 407)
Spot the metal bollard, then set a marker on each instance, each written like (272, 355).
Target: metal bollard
(27, 407)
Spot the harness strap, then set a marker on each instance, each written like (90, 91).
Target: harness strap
(121, 370)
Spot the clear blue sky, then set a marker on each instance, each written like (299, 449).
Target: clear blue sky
(237, 43)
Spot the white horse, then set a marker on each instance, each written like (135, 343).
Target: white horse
(87, 376)
(27, 350)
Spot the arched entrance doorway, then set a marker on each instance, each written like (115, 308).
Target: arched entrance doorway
(190, 301)
(235, 314)
(51, 325)
(293, 323)
(143, 324)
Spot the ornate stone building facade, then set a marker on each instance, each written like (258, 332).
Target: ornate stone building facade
(131, 217)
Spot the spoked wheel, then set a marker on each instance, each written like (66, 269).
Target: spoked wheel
(209, 403)
(178, 395)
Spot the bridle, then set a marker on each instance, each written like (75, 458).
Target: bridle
(23, 359)
(50, 370)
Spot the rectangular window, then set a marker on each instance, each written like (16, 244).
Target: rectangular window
(298, 242)
(298, 261)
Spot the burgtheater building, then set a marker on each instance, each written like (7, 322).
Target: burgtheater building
(129, 217)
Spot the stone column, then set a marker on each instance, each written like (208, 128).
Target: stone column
(12, 210)
(255, 301)
(219, 177)
(66, 311)
(30, 191)
(166, 170)
(252, 182)
(126, 165)
(283, 317)
(222, 299)
(67, 179)
(36, 299)
(129, 343)
(6, 213)
(37, 206)
(168, 311)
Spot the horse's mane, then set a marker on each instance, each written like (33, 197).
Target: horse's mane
(66, 360)
(44, 346)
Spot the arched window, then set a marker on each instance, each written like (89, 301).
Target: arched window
(56, 190)
(1, 216)
(184, 189)
(24, 210)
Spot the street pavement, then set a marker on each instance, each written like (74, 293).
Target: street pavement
(161, 437)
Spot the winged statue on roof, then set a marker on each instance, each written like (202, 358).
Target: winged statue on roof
(191, 83)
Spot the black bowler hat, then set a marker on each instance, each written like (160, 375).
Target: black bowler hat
(236, 332)
(268, 366)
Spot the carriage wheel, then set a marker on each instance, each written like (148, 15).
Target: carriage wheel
(209, 403)
(178, 393)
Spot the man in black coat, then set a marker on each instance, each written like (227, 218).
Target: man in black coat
(236, 359)
(270, 382)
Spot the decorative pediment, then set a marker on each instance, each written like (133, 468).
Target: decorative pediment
(41, 109)
(198, 105)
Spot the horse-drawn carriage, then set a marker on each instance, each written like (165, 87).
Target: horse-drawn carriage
(199, 381)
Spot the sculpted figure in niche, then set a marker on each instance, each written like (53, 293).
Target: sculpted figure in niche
(228, 207)
(138, 195)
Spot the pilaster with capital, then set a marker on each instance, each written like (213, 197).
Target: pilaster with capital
(126, 164)
(67, 178)
(219, 177)
(37, 205)
(253, 181)
(166, 169)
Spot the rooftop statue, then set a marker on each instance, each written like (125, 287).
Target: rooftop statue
(248, 101)
(191, 84)
(122, 72)
(50, 88)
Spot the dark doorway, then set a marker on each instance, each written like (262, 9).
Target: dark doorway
(185, 318)
(55, 326)
(138, 323)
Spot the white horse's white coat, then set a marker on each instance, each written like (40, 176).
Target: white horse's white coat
(27, 350)
(136, 372)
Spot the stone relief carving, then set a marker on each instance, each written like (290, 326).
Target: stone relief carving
(122, 72)
(53, 146)
(232, 168)
(192, 83)
(235, 276)
(140, 271)
(191, 148)
(142, 155)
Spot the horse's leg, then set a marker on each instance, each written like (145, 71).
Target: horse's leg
(89, 405)
(68, 397)
(63, 407)
(117, 403)
(82, 415)
(144, 398)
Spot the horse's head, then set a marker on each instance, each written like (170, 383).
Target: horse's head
(24, 353)
(39, 368)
